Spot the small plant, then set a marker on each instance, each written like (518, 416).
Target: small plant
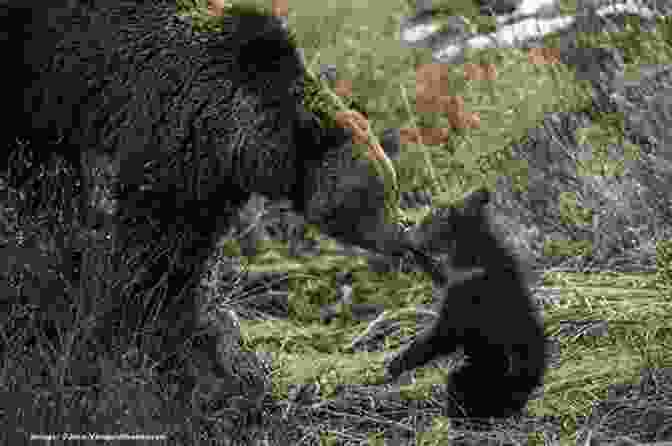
(567, 248)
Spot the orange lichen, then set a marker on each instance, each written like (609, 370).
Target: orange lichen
(543, 55)
(360, 127)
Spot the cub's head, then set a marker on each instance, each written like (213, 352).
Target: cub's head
(462, 231)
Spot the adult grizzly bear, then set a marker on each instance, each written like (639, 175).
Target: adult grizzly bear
(485, 308)
(193, 123)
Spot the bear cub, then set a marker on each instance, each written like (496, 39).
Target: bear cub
(485, 308)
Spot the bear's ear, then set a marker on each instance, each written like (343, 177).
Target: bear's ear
(262, 53)
(268, 53)
(475, 201)
(265, 47)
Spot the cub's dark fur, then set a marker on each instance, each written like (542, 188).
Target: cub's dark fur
(488, 311)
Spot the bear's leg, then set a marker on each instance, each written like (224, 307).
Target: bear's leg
(161, 246)
(474, 392)
(484, 387)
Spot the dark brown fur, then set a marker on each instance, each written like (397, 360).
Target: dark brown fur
(487, 309)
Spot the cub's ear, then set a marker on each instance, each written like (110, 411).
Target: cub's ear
(475, 201)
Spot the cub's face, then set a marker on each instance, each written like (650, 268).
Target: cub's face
(455, 230)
